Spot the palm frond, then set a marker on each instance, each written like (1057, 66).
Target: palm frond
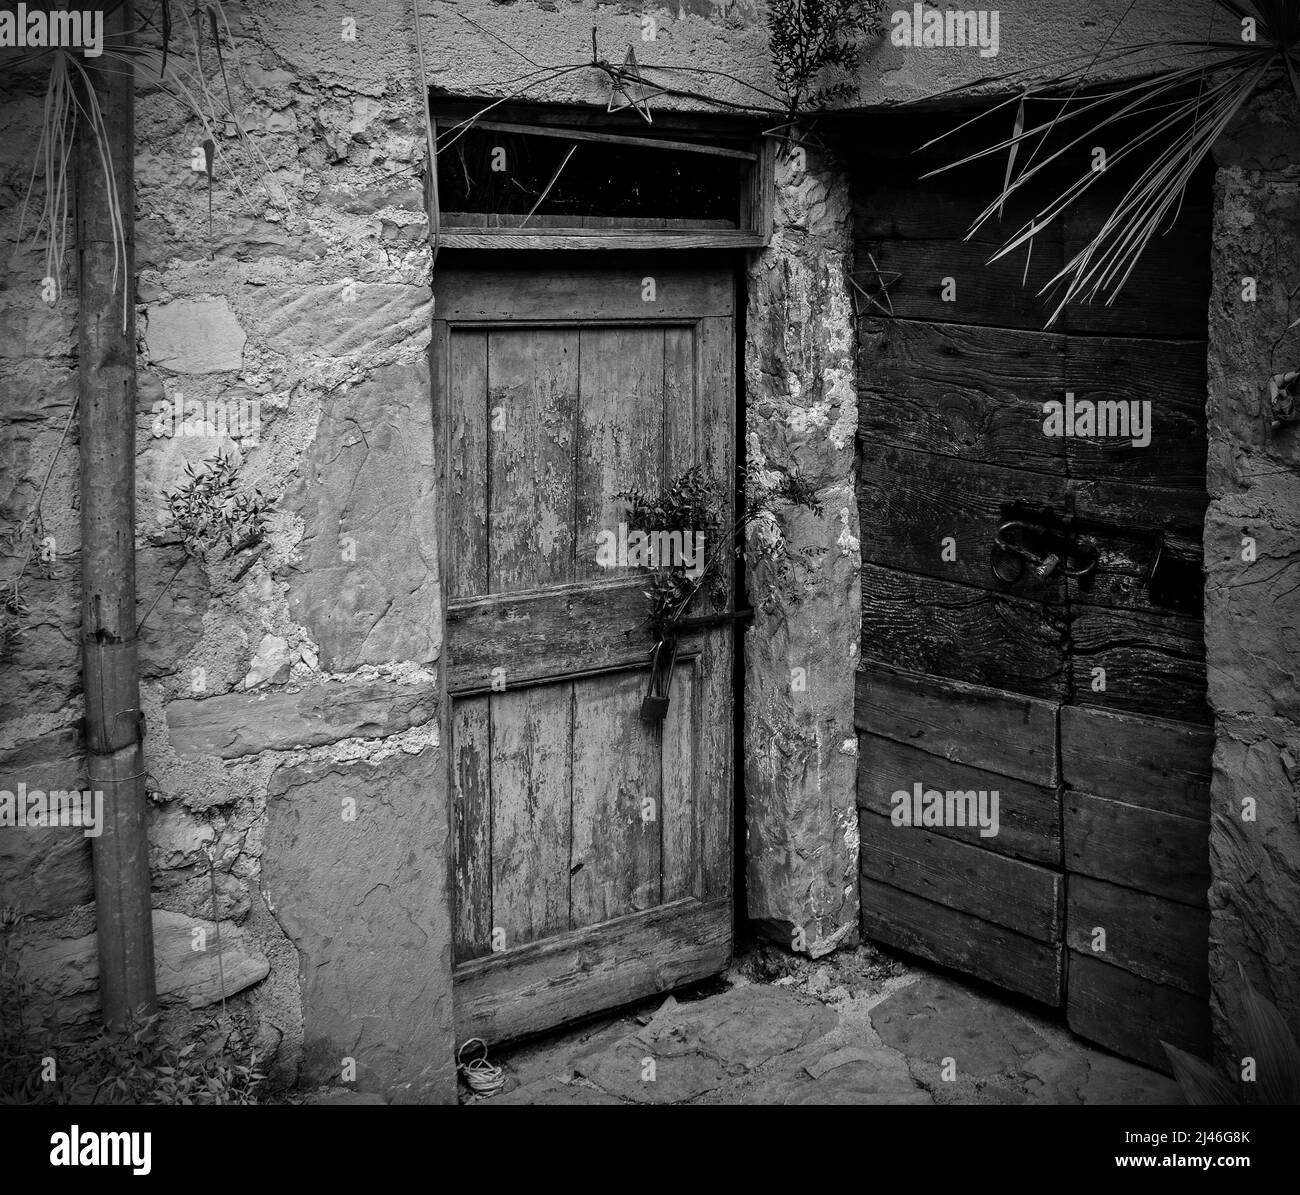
(1166, 121)
(71, 109)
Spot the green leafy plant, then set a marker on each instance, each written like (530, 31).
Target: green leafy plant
(1164, 123)
(807, 37)
(212, 1061)
(214, 513)
(694, 502)
(1266, 1040)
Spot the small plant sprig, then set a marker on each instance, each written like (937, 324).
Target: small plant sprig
(808, 36)
(213, 513)
(693, 502)
(1269, 1045)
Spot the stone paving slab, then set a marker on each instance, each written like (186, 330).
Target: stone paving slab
(936, 1019)
(798, 1040)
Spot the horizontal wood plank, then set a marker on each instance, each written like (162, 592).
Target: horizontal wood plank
(962, 633)
(1154, 662)
(1156, 763)
(1161, 940)
(1132, 1015)
(970, 879)
(991, 729)
(558, 631)
(1029, 814)
(957, 390)
(508, 293)
(1171, 375)
(547, 984)
(988, 293)
(1158, 853)
(911, 502)
(958, 940)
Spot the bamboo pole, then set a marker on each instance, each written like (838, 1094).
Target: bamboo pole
(110, 671)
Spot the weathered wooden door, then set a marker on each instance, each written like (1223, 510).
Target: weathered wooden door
(593, 850)
(1078, 700)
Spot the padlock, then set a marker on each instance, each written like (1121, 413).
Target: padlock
(654, 705)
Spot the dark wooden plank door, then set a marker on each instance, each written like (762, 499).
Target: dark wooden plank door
(1033, 688)
(592, 849)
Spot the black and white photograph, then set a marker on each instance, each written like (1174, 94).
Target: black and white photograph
(650, 552)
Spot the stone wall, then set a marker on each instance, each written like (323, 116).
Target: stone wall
(1252, 554)
(290, 690)
(801, 415)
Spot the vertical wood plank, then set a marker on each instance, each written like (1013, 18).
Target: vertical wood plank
(468, 464)
(472, 814)
(620, 430)
(532, 401)
(716, 388)
(616, 854)
(532, 777)
(681, 418)
(680, 784)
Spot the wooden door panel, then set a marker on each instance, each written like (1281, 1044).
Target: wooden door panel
(585, 837)
(532, 394)
(1030, 814)
(467, 378)
(531, 782)
(958, 939)
(620, 429)
(1010, 892)
(951, 443)
(614, 860)
(962, 633)
(959, 391)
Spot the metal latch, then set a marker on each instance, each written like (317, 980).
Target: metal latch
(1048, 551)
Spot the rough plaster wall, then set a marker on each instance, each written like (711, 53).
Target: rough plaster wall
(803, 580)
(1252, 622)
(314, 655)
(488, 47)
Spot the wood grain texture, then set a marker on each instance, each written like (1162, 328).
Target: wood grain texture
(1030, 814)
(533, 385)
(682, 779)
(620, 440)
(957, 390)
(910, 502)
(988, 293)
(1171, 375)
(1161, 940)
(532, 785)
(572, 975)
(1158, 853)
(614, 864)
(550, 632)
(472, 829)
(990, 729)
(962, 633)
(980, 948)
(611, 241)
(468, 463)
(1156, 763)
(1131, 1015)
(969, 879)
(1155, 663)
(500, 292)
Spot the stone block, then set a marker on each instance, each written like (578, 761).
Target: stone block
(365, 902)
(195, 336)
(232, 725)
(367, 585)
